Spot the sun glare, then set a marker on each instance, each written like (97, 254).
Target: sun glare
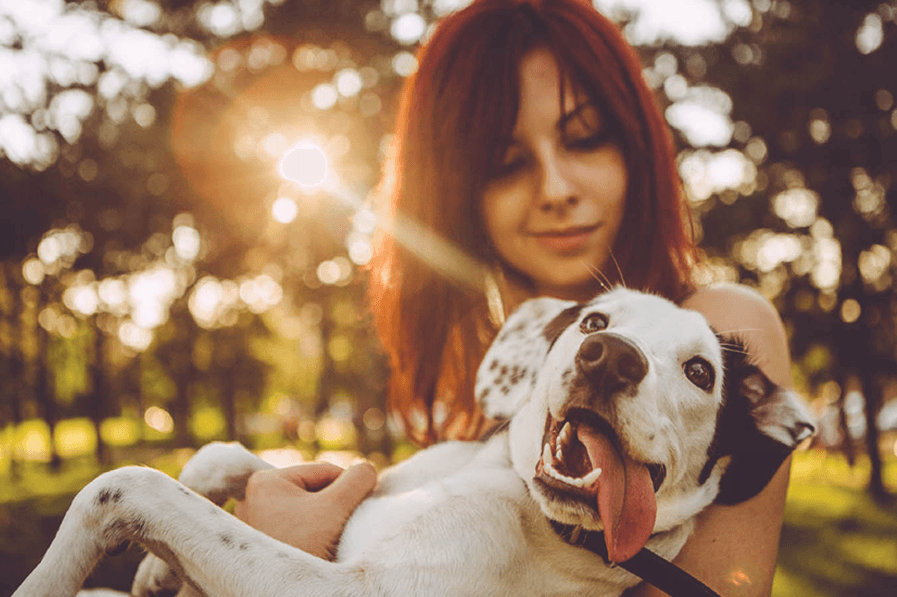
(305, 164)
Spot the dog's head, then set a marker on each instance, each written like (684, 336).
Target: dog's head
(629, 415)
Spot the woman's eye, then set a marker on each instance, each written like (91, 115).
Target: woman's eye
(509, 167)
(513, 162)
(595, 322)
(590, 142)
(700, 373)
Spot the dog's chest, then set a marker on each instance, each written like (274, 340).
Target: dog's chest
(436, 484)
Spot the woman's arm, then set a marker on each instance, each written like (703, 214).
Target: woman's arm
(734, 548)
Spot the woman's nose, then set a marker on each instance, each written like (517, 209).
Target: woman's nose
(557, 190)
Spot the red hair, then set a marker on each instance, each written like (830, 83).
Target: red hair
(455, 117)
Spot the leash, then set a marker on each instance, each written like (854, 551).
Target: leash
(646, 564)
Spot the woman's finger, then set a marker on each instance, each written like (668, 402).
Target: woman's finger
(311, 476)
(351, 487)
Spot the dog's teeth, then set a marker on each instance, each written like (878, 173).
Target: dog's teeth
(546, 455)
(549, 469)
(591, 477)
(566, 434)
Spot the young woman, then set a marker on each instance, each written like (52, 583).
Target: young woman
(528, 140)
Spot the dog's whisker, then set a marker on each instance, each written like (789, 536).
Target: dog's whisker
(596, 273)
(619, 270)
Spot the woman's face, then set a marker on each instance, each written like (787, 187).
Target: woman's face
(554, 208)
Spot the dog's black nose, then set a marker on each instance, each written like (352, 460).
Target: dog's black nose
(610, 362)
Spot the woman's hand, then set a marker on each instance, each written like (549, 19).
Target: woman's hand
(307, 505)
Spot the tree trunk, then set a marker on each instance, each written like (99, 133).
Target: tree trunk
(99, 403)
(872, 392)
(43, 388)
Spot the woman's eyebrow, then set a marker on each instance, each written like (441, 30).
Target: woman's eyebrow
(577, 112)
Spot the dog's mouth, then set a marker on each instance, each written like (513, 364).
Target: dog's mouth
(582, 459)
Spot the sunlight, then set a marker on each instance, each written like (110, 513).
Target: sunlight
(689, 22)
(134, 336)
(75, 437)
(702, 115)
(260, 293)
(32, 441)
(205, 301)
(797, 206)
(187, 242)
(207, 423)
(120, 431)
(348, 82)
(282, 457)
(82, 300)
(305, 164)
(870, 35)
(408, 28)
(113, 294)
(404, 64)
(874, 264)
(33, 271)
(284, 210)
(151, 292)
(158, 419)
(324, 96)
(705, 173)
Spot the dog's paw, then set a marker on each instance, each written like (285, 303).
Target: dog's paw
(155, 578)
(219, 471)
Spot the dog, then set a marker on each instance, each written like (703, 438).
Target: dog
(626, 415)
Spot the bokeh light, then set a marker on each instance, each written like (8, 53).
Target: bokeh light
(284, 210)
(305, 164)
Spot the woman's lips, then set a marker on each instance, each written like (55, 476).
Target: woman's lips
(570, 240)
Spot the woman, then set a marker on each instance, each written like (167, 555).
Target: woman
(529, 140)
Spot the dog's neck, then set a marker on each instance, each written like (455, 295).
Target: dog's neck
(646, 565)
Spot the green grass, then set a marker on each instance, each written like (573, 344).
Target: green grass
(836, 541)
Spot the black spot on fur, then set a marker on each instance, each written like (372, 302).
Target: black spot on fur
(493, 365)
(226, 540)
(484, 393)
(184, 490)
(505, 390)
(109, 495)
(122, 530)
(560, 323)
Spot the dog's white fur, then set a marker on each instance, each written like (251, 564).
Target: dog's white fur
(457, 518)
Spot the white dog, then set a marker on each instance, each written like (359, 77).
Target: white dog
(625, 415)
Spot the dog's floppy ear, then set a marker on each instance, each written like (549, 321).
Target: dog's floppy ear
(759, 425)
(510, 367)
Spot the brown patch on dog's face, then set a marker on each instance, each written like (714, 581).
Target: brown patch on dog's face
(560, 323)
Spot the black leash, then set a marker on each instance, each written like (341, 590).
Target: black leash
(646, 564)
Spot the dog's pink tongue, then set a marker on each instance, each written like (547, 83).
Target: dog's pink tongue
(626, 500)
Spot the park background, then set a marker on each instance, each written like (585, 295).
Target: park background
(163, 285)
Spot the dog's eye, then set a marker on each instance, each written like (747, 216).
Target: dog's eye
(593, 323)
(699, 372)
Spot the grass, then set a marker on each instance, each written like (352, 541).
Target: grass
(836, 541)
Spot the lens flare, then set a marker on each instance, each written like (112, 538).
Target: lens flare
(305, 164)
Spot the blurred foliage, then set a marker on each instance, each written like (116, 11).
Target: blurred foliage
(162, 284)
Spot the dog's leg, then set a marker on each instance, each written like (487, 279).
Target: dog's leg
(217, 471)
(219, 554)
